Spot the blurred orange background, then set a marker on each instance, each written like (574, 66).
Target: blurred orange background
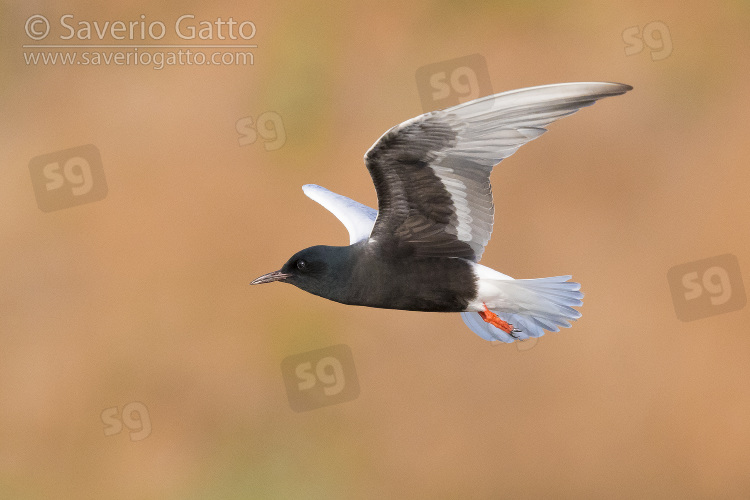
(143, 296)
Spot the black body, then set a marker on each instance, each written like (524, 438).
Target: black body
(435, 210)
(359, 275)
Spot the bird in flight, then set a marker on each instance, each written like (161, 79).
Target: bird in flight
(420, 250)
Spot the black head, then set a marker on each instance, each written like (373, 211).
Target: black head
(313, 269)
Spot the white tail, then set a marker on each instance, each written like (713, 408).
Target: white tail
(531, 306)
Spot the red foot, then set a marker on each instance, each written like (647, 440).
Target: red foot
(493, 319)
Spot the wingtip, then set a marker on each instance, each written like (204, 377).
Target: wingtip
(600, 90)
(624, 87)
(311, 190)
(616, 88)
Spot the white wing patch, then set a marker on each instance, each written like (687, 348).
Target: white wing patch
(459, 194)
(356, 217)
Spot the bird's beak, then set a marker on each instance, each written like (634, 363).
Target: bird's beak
(267, 278)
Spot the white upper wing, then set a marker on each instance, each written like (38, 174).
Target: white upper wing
(356, 217)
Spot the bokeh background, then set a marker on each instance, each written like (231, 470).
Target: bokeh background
(143, 296)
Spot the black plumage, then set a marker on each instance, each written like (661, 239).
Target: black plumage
(435, 216)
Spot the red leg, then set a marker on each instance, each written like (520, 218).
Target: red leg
(493, 319)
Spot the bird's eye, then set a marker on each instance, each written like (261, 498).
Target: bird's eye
(301, 265)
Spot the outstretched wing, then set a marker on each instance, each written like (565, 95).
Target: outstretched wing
(432, 173)
(356, 217)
